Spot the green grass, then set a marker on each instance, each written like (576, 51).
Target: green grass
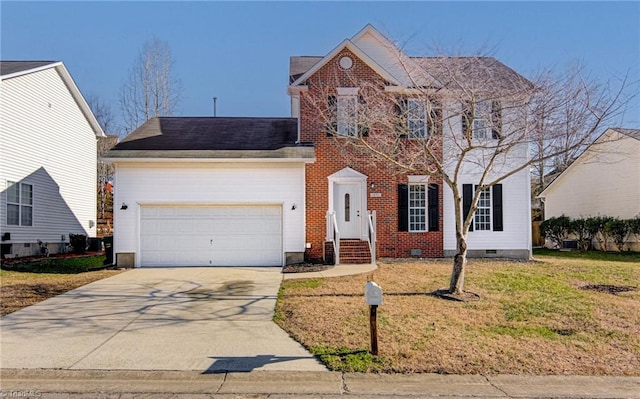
(591, 255)
(59, 265)
(542, 317)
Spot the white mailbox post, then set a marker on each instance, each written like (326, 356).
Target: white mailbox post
(373, 297)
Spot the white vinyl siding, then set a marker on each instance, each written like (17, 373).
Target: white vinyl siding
(186, 185)
(48, 143)
(604, 180)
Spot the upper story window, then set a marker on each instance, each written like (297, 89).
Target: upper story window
(485, 118)
(417, 119)
(19, 204)
(347, 113)
(343, 112)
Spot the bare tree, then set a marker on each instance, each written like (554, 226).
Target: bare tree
(103, 114)
(152, 88)
(480, 119)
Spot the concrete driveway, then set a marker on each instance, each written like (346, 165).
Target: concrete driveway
(206, 319)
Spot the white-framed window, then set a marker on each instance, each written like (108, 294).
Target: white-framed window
(482, 217)
(417, 207)
(19, 204)
(347, 116)
(417, 118)
(347, 111)
(482, 120)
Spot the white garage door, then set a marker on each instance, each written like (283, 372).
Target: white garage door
(211, 236)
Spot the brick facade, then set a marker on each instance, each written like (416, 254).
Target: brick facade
(332, 155)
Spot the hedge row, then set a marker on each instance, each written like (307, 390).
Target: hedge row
(602, 229)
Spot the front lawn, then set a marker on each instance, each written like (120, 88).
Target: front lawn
(564, 314)
(43, 279)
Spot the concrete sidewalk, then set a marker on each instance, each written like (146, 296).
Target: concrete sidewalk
(305, 384)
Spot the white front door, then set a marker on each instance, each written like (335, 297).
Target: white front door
(348, 207)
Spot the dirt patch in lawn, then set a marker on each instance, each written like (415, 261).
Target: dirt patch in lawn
(21, 289)
(532, 318)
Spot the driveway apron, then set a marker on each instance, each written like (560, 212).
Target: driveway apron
(207, 319)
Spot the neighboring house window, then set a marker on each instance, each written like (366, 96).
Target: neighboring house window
(418, 207)
(19, 204)
(485, 118)
(488, 215)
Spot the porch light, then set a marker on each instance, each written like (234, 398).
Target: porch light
(124, 207)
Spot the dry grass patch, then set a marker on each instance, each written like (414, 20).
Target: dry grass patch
(533, 318)
(21, 289)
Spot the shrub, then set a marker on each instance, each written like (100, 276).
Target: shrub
(556, 229)
(617, 230)
(582, 229)
(78, 243)
(634, 226)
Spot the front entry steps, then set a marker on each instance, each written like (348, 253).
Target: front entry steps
(351, 252)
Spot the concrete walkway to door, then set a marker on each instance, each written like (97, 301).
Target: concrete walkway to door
(205, 319)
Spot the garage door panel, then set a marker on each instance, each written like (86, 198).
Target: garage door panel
(211, 236)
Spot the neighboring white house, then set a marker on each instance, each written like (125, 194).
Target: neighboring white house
(210, 192)
(603, 181)
(47, 158)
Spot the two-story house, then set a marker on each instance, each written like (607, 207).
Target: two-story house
(351, 193)
(198, 191)
(47, 158)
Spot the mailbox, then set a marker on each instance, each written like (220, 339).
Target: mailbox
(373, 293)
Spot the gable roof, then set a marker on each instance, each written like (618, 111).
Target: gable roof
(349, 45)
(13, 69)
(474, 71)
(632, 133)
(213, 137)
(19, 67)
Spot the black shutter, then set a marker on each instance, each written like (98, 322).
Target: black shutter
(497, 207)
(363, 128)
(434, 208)
(435, 120)
(467, 196)
(403, 207)
(332, 109)
(467, 120)
(496, 120)
(401, 114)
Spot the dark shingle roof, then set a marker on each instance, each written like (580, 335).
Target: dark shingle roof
(10, 67)
(212, 134)
(299, 65)
(475, 73)
(634, 133)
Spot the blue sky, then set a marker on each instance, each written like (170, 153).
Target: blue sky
(239, 51)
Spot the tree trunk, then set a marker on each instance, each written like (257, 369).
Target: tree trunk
(459, 266)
